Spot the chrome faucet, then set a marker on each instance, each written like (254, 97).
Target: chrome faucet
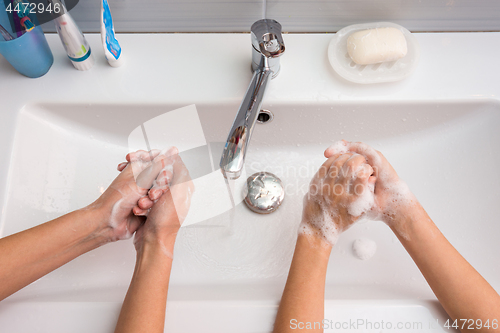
(267, 47)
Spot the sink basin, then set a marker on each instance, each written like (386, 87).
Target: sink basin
(230, 269)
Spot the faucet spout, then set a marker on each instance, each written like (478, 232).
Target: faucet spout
(267, 47)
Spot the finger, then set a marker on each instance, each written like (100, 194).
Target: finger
(135, 223)
(361, 179)
(140, 212)
(372, 156)
(134, 156)
(142, 155)
(164, 178)
(349, 170)
(336, 168)
(323, 169)
(364, 171)
(182, 189)
(338, 148)
(156, 193)
(145, 203)
(122, 166)
(180, 172)
(163, 161)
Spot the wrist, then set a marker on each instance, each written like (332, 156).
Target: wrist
(317, 248)
(156, 248)
(320, 232)
(85, 226)
(314, 239)
(99, 221)
(411, 222)
(165, 241)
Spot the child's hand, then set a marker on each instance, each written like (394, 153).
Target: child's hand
(394, 201)
(141, 163)
(339, 194)
(117, 203)
(169, 211)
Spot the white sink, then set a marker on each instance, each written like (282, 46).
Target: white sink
(229, 271)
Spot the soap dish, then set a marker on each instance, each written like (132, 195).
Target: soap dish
(375, 73)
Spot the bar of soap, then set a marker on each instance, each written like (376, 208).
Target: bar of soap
(377, 45)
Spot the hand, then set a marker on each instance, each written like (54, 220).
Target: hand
(394, 202)
(141, 161)
(169, 211)
(115, 206)
(339, 194)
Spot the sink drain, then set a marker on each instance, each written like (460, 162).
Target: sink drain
(264, 116)
(264, 192)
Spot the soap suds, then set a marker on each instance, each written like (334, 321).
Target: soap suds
(323, 225)
(363, 203)
(322, 214)
(364, 248)
(394, 196)
(150, 170)
(339, 147)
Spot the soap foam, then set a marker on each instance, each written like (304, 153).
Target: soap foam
(364, 248)
(399, 197)
(148, 168)
(326, 223)
(363, 203)
(323, 226)
(339, 147)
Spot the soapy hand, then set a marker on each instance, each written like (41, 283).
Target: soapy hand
(394, 201)
(141, 160)
(117, 203)
(168, 211)
(339, 194)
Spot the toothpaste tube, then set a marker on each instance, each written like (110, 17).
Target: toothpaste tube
(112, 49)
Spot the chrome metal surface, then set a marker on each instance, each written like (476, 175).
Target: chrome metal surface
(267, 47)
(264, 192)
(267, 42)
(265, 116)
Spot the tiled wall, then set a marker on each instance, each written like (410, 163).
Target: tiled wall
(294, 15)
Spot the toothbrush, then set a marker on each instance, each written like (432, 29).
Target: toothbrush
(14, 20)
(74, 42)
(5, 34)
(25, 20)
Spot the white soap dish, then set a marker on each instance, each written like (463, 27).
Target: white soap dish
(376, 73)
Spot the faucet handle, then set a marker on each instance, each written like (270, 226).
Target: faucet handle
(267, 38)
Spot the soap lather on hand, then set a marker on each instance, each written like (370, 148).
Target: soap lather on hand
(377, 45)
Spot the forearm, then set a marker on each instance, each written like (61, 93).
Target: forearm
(303, 297)
(461, 290)
(31, 254)
(144, 306)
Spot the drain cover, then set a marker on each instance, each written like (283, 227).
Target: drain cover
(265, 192)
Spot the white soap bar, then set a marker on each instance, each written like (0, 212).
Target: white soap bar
(373, 46)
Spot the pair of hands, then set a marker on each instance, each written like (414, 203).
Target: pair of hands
(356, 180)
(150, 197)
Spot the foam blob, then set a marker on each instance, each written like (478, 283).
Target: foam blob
(363, 203)
(364, 248)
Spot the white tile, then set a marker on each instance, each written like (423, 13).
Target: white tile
(415, 15)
